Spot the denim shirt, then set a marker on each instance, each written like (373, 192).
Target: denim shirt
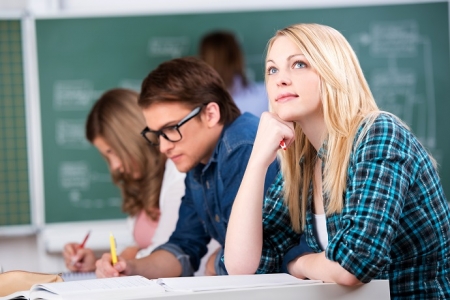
(210, 192)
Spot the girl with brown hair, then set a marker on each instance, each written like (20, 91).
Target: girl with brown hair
(151, 186)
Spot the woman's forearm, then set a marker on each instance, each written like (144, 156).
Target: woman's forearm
(317, 266)
(243, 243)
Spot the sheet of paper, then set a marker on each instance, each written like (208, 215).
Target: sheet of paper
(20, 295)
(104, 288)
(74, 276)
(210, 283)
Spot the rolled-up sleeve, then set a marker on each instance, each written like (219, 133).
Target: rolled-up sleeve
(378, 180)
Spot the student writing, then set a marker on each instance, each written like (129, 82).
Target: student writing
(193, 120)
(151, 186)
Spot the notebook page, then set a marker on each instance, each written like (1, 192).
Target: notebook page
(210, 283)
(20, 295)
(103, 288)
(73, 276)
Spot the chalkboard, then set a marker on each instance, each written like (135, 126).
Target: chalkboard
(14, 185)
(403, 49)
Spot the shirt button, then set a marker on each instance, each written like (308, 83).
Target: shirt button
(217, 218)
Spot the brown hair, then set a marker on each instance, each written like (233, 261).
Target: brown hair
(117, 119)
(221, 50)
(191, 81)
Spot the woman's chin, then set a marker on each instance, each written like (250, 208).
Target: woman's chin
(286, 116)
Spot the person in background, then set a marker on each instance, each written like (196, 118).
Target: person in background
(355, 180)
(221, 50)
(193, 120)
(151, 186)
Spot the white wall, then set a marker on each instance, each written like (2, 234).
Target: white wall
(100, 7)
(41, 252)
(38, 250)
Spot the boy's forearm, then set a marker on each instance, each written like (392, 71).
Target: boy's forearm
(158, 264)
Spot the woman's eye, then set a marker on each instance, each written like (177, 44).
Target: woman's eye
(299, 65)
(271, 70)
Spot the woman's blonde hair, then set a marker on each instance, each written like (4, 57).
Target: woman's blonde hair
(346, 102)
(117, 118)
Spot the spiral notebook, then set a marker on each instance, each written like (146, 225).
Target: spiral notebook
(74, 276)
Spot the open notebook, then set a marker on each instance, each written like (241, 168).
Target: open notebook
(133, 287)
(212, 283)
(128, 287)
(74, 276)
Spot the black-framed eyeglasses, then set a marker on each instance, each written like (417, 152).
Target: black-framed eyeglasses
(170, 133)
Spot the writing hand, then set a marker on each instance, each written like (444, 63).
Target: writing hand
(105, 269)
(79, 259)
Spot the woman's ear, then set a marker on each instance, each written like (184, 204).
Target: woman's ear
(211, 114)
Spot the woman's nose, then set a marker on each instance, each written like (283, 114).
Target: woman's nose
(116, 164)
(283, 80)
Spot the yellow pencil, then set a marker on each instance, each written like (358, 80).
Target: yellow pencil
(112, 244)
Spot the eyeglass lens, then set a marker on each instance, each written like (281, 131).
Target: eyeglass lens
(170, 133)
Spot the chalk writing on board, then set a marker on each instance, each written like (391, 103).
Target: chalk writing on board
(70, 134)
(168, 46)
(76, 179)
(398, 88)
(131, 84)
(69, 95)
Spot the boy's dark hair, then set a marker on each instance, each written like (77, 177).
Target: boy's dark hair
(191, 81)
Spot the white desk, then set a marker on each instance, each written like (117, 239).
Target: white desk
(375, 290)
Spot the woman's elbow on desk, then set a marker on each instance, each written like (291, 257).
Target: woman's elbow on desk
(346, 278)
(317, 266)
(239, 268)
(239, 271)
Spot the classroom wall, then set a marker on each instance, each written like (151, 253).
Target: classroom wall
(32, 251)
(103, 7)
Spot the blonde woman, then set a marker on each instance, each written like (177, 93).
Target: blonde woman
(151, 186)
(354, 179)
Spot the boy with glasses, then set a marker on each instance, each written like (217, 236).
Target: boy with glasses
(193, 120)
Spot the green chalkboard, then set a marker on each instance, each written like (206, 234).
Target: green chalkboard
(403, 49)
(14, 185)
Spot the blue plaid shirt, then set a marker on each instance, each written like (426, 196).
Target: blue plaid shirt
(395, 220)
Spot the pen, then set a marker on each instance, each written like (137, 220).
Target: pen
(112, 244)
(85, 240)
(81, 246)
(282, 145)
